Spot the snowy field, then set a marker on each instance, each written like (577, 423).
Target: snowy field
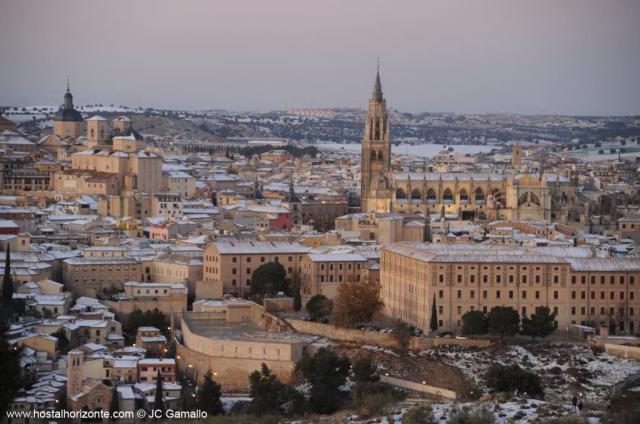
(422, 150)
(564, 369)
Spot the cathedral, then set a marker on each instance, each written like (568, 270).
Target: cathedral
(475, 196)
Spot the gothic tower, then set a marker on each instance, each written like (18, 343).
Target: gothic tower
(376, 183)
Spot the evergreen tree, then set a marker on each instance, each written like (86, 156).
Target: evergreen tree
(269, 279)
(365, 371)
(474, 323)
(115, 401)
(159, 400)
(541, 324)
(433, 324)
(209, 396)
(326, 372)
(297, 297)
(270, 396)
(503, 321)
(7, 282)
(11, 381)
(319, 306)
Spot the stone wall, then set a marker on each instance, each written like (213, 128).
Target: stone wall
(418, 387)
(376, 338)
(629, 352)
(232, 360)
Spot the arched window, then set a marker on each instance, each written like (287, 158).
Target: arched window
(528, 198)
(415, 194)
(373, 154)
(431, 195)
(400, 194)
(464, 196)
(380, 156)
(92, 132)
(498, 198)
(448, 195)
(479, 195)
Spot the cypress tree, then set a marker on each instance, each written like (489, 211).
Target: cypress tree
(433, 324)
(7, 283)
(209, 396)
(158, 402)
(115, 401)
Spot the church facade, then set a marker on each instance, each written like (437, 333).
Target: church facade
(469, 196)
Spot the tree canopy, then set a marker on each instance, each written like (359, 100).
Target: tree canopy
(270, 396)
(474, 323)
(503, 321)
(209, 396)
(326, 372)
(269, 279)
(541, 323)
(356, 303)
(319, 306)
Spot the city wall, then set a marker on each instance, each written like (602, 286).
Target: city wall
(623, 351)
(349, 335)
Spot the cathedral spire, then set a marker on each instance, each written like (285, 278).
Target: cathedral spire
(377, 87)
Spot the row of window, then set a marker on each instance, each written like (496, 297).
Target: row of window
(612, 279)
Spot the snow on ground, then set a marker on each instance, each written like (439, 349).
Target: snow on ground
(229, 401)
(563, 368)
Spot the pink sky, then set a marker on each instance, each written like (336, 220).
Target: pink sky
(542, 56)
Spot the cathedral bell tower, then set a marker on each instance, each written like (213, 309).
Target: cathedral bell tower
(376, 179)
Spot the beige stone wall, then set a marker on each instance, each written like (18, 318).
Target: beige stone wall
(376, 338)
(623, 351)
(232, 361)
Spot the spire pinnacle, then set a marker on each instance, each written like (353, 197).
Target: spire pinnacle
(68, 87)
(377, 87)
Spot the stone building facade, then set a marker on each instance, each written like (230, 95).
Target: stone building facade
(582, 289)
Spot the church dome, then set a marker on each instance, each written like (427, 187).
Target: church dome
(67, 112)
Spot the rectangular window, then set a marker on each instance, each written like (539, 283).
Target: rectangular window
(524, 294)
(441, 294)
(497, 294)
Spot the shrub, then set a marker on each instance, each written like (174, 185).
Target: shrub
(476, 416)
(419, 415)
(507, 378)
(371, 398)
(319, 306)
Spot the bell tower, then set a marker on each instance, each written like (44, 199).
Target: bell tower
(376, 183)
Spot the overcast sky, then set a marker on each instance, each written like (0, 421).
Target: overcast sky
(537, 56)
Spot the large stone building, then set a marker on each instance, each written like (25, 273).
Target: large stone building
(469, 196)
(228, 266)
(582, 289)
